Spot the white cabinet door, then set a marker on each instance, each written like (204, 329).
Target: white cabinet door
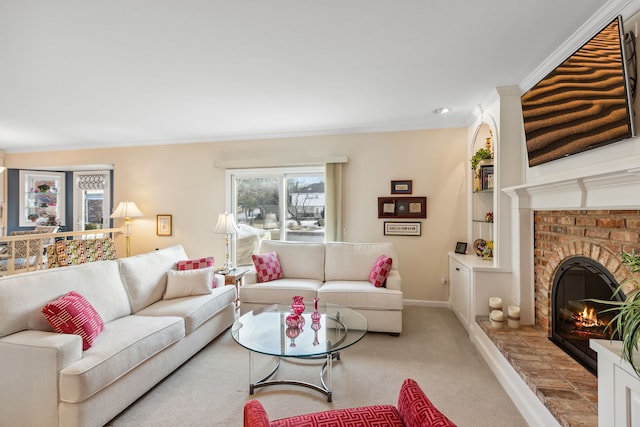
(460, 292)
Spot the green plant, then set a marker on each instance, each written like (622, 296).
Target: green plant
(44, 188)
(481, 154)
(626, 323)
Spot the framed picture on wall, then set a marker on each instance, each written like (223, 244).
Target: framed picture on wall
(392, 228)
(402, 207)
(401, 187)
(163, 225)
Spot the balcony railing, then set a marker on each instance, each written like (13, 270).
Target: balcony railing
(27, 252)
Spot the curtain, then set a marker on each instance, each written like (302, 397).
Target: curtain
(91, 182)
(333, 220)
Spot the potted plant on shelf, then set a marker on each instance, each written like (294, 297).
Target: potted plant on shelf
(32, 217)
(626, 323)
(43, 188)
(483, 155)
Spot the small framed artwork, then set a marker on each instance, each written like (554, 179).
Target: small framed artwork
(163, 225)
(402, 228)
(461, 248)
(402, 207)
(486, 172)
(402, 187)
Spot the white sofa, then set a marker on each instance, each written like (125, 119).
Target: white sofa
(46, 379)
(335, 272)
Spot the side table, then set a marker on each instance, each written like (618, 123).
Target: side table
(234, 277)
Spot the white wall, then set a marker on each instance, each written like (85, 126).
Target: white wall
(188, 182)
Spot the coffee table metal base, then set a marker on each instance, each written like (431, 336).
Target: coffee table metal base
(325, 370)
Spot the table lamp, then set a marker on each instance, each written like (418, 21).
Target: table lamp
(127, 210)
(226, 225)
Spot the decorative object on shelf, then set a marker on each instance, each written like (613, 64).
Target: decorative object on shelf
(43, 188)
(316, 327)
(32, 217)
(292, 333)
(486, 172)
(127, 210)
(488, 217)
(480, 155)
(497, 319)
(402, 187)
(513, 317)
(48, 220)
(297, 305)
(402, 228)
(495, 303)
(402, 207)
(226, 225)
(478, 246)
(487, 252)
(626, 323)
(292, 320)
(461, 247)
(164, 226)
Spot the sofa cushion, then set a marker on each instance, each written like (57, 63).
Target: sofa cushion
(360, 294)
(145, 275)
(376, 415)
(125, 344)
(73, 314)
(267, 267)
(193, 310)
(353, 261)
(279, 291)
(188, 282)
(298, 260)
(24, 295)
(380, 271)
(417, 410)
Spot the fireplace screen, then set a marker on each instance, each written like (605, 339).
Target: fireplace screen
(575, 319)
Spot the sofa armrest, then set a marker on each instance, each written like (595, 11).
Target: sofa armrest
(394, 281)
(250, 277)
(416, 410)
(31, 363)
(255, 415)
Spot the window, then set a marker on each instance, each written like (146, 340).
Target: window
(91, 200)
(277, 204)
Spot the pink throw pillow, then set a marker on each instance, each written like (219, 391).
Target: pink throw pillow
(195, 264)
(267, 267)
(380, 271)
(73, 314)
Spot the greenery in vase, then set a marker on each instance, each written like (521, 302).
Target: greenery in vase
(43, 188)
(481, 154)
(626, 323)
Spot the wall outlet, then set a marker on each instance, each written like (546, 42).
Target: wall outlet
(443, 280)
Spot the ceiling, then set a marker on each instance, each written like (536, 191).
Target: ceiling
(82, 74)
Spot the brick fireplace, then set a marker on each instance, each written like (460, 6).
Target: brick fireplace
(600, 235)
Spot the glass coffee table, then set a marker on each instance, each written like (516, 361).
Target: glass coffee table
(265, 331)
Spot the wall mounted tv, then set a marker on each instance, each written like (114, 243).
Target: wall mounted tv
(582, 104)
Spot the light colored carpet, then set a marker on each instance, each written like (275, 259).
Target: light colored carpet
(212, 387)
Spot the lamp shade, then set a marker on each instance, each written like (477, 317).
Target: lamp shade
(226, 224)
(126, 210)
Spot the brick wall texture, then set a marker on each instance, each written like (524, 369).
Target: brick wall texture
(601, 235)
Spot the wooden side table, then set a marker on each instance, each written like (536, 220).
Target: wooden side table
(234, 277)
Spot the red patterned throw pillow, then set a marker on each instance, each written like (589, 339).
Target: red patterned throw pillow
(73, 314)
(380, 271)
(267, 267)
(195, 264)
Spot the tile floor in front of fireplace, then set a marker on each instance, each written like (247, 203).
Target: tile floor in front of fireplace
(564, 386)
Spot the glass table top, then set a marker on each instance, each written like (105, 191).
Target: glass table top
(265, 331)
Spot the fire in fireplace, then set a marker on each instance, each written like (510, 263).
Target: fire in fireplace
(575, 319)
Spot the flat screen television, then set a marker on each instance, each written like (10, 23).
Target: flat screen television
(582, 104)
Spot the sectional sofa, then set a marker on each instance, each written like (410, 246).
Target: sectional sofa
(335, 272)
(48, 379)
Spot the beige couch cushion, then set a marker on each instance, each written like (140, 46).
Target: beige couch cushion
(360, 295)
(145, 275)
(24, 295)
(299, 260)
(124, 344)
(353, 261)
(194, 310)
(280, 291)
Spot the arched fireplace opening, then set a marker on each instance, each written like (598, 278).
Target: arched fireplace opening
(575, 320)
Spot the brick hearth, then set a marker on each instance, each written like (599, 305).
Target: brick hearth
(597, 234)
(565, 387)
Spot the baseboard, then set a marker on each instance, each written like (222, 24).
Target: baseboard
(531, 408)
(425, 303)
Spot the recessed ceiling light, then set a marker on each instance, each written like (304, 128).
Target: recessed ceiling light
(442, 110)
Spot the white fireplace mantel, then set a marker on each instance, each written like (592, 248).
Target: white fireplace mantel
(605, 190)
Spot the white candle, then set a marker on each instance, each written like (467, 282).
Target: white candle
(497, 319)
(495, 303)
(513, 317)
